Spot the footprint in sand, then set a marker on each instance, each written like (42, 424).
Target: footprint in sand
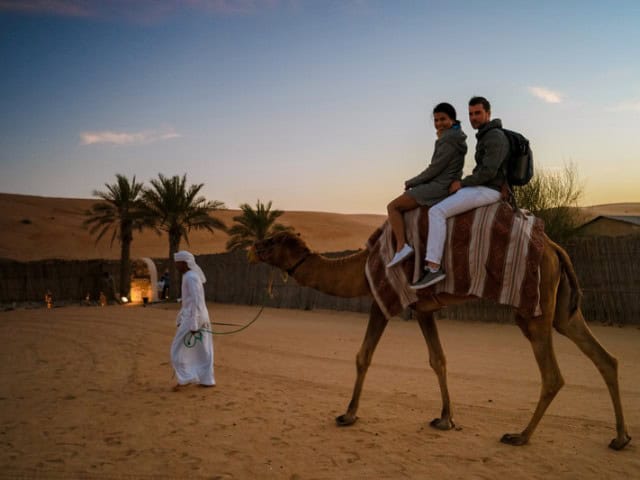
(352, 456)
(278, 442)
(113, 439)
(228, 406)
(194, 462)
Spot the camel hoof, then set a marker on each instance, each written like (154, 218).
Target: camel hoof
(345, 420)
(442, 424)
(620, 444)
(515, 439)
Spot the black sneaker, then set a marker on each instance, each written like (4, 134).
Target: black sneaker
(429, 278)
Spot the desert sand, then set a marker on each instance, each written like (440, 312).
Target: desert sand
(85, 393)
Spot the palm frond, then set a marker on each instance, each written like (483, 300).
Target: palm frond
(254, 224)
(177, 208)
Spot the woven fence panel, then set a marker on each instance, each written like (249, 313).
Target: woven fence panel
(66, 280)
(608, 270)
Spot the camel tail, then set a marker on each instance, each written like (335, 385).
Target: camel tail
(569, 271)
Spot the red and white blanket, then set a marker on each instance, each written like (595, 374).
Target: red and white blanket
(491, 252)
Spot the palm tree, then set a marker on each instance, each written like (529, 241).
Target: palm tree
(254, 225)
(177, 209)
(121, 210)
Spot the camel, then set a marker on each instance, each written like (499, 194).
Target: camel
(559, 300)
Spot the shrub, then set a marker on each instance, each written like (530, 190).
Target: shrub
(553, 196)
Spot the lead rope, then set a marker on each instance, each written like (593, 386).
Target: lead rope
(190, 339)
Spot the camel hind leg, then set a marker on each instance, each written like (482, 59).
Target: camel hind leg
(438, 363)
(574, 327)
(375, 328)
(538, 331)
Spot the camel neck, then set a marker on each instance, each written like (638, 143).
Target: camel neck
(342, 276)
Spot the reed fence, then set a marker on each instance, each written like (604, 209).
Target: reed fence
(608, 269)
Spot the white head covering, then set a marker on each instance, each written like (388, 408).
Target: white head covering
(184, 256)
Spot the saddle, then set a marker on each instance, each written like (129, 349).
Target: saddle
(491, 252)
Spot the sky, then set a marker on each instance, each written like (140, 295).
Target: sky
(317, 105)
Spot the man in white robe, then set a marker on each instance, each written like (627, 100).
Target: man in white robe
(192, 347)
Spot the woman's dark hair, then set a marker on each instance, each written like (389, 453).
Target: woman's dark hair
(447, 109)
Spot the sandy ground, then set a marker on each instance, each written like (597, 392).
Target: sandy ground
(37, 228)
(85, 393)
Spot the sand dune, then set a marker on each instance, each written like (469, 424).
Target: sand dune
(85, 393)
(36, 228)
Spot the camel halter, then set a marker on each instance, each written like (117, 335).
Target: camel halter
(290, 271)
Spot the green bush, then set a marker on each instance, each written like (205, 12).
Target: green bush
(553, 196)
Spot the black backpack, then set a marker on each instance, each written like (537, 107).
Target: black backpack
(519, 164)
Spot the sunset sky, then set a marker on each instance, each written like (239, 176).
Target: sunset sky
(315, 105)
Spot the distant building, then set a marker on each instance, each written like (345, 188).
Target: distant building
(611, 226)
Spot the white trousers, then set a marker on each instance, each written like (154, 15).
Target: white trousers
(465, 199)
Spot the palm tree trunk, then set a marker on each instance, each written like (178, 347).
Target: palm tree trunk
(175, 286)
(125, 266)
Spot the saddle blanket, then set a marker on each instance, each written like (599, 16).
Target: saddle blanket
(491, 252)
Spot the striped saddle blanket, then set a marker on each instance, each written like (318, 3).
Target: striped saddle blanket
(491, 252)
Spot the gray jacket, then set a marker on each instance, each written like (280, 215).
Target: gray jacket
(492, 150)
(432, 184)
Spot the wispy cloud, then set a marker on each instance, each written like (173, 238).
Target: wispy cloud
(232, 7)
(126, 138)
(67, 8)
(626, 106)
(546, 95)
(139, 10)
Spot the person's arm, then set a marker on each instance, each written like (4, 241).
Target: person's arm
(496, 151)
(442, 155)
(189, 302)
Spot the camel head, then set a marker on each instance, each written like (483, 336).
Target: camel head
(284, 250)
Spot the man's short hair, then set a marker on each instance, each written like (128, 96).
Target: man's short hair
(480, 101)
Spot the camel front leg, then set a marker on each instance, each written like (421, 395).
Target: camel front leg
(375, 328)
(538, 331)
(438, 363)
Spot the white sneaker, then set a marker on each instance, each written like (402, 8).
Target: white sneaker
(400, 256)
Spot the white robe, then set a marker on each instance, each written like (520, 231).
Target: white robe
(192, 356)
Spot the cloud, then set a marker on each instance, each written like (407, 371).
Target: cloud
(232, 7)
(138, 10)
(67, 8)
(626, 106)
(545, 94)
(126, 138)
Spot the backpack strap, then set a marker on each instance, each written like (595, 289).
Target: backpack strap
(506, 194)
